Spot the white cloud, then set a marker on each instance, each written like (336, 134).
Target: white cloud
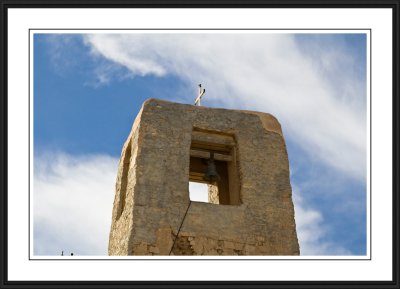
(131, 58)
(72, 200)
(311, 231)
(264, 72)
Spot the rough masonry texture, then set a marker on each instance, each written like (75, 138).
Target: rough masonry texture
(250, 209)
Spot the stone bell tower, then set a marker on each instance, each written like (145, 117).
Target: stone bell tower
(250, 209)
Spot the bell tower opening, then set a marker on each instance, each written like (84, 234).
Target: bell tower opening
(213, 162)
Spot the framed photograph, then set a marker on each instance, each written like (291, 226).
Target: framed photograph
(200, 144)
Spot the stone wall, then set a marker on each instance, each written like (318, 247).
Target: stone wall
(152, 213)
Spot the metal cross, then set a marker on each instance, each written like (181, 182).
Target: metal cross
(201, 93)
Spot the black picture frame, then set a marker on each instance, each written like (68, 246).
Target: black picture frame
(7, 5)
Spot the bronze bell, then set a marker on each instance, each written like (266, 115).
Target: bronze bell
(211, 174)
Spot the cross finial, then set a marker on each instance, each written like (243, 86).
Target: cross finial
(198, 98)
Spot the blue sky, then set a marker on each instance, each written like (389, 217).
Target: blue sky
(89, 88)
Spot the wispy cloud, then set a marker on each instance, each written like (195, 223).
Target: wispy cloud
(66, 56)
(267, 72)
(312, 230)
(73, 199)
(62, 51)
(131, 58)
